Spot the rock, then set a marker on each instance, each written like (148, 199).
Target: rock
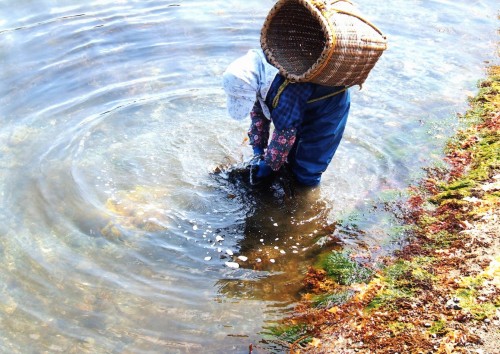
(453, 304)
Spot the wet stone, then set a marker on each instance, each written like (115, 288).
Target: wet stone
(453, 304)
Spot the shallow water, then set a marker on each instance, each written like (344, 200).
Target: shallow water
(114, 232)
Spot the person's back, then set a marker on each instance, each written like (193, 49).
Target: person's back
(309, 119)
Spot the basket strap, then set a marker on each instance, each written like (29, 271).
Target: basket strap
(360, 18)
(334, 2)
(321, 8)
(329, 95)
(280, 91)
(285, 84)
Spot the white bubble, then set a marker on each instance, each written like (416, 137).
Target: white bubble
(233, 265)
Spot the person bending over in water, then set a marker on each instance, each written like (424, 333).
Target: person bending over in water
(309, 119)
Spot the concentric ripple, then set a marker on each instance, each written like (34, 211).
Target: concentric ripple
(116, 235)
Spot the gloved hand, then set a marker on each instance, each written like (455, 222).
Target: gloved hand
(259, 171)
(264, 170)
(258, 151)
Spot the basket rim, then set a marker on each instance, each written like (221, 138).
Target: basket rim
(328, 48)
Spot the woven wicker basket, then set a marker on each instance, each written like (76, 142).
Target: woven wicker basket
(326, 42)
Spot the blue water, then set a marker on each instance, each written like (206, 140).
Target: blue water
(112, 120)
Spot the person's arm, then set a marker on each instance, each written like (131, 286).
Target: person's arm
(279, 147)
(259, 130)
(286, 117)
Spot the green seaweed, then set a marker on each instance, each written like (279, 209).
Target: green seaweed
(331, 299)
(468, 294)
(401, 280)
(398, 327)
(344, 270)
(290, 333)
(438, 327)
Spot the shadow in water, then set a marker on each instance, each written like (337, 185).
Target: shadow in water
(285, 228)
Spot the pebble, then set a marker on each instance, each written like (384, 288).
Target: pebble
(208, 258)
(229, 252)
(272, 260)
(233, 265)
(243, 258)
(453, 304)
(219, 238)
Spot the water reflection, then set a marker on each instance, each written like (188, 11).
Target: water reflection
(285, 228)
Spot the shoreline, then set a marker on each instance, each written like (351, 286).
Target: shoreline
(441, 292)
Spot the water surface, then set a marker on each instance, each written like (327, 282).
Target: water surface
(114, 232)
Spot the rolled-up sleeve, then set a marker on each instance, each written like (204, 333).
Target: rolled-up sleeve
(287, 116)
(259, 128)
(279, 147)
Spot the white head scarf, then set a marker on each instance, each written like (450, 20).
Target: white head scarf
(247, 80)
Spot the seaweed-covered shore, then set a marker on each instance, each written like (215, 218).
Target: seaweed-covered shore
(441, 292)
